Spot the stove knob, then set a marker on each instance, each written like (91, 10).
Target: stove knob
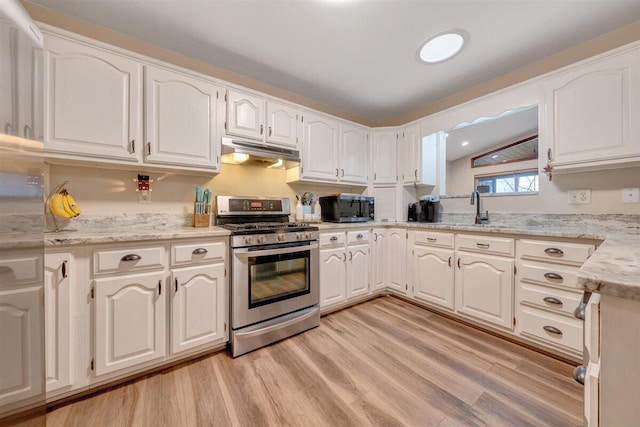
(262, 239)
(309, 235)
(282, 237)
(299, 236)
(248, 240)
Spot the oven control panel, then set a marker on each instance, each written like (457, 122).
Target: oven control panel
(230, 206)
(273, 238)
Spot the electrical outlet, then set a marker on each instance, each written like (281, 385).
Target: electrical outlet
(580, 197)
(631, 195)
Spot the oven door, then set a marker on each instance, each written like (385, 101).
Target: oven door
(272, 280)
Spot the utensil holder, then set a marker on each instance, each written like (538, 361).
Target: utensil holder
(201, 214)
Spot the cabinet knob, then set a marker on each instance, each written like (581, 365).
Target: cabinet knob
(333, 239)
(449, 261)
(350, 255)
(359, 236)
(270, 131)
(199, 251)
(482, 245)
(459, 263)
(579, 373)
(344, 257)
(431, 239)
(64, 269)
(261, 129)
(8, 128)
(133, 146)
(176, 284)
(148, 148)
(27, 131)
(159, 287)
(342, 176)
(131, 257)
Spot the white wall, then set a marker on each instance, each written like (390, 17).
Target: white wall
(110, 191)
(606, 195)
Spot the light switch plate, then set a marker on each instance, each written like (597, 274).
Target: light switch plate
(580, 197)
(631, 195)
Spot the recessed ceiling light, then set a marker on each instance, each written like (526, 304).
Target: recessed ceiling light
(442, 46)
(495, 156)
(465, 143)
(446, 135)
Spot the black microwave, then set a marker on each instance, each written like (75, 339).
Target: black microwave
(346, 208)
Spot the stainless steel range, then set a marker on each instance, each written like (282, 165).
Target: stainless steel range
(274, 271)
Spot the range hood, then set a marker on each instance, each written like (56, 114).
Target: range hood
(237, 151)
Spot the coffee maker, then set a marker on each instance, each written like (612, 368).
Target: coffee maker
(427, 209)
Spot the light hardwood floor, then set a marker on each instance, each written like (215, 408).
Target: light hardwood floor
(383, 362)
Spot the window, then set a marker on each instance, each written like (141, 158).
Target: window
(508, 182)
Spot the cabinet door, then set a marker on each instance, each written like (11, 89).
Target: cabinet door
(384, 149)
(245, 115)
(484, 288)
(180, 120)
(198, 309)
(129, 321)
(397, 260)
(379, 258)
(411, 154)
(354, 154)
(282, 125)
(358, 270)
(320, 148)
(333, 276)
(92, 102)
(593, 110)
(433, 276)
(59, 269)
(21, 345)
(8, 115)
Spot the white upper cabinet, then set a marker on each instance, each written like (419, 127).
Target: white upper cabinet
(354, 154)
(180, 119)
(320, 148)
(411, 154)
(92, 101)
(592, 113)
(383, 153)
(282, 125)
(274, 123)
(245, 114)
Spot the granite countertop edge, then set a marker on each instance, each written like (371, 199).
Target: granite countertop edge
(613, 269)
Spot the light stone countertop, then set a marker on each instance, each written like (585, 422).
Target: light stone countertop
(614, 268)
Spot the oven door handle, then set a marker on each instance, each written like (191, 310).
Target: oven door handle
(247, 253)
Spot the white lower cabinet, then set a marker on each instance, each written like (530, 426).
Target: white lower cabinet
(20, 346)
(484, 288)
(60, 333)
(397, 260)
(129, 321)
(433, 276)
(378, 259)
(198, 306)
(344, 266)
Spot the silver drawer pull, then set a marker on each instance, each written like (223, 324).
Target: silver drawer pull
(359, 236)
(131, 257)
(199, 251)
(552, 300)
(333, 239)
(579, 374)
(482, 245)
(554, 252)
(552, 330)
(553, 276)
(431, 239)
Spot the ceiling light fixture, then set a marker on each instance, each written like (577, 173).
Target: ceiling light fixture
(442, 46)
(464, 144)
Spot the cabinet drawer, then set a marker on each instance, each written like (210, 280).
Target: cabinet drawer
(562, 302)
(443, 240)
(333, 239)
(489, 245)
(533, 323)
(194, 252)
(133, 258)
(548, 274)
(21, 268)
(560, 252)
(358, 236)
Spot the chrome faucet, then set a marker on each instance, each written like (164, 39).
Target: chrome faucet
(480, 219)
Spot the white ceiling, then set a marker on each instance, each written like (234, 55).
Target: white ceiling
(359, 55)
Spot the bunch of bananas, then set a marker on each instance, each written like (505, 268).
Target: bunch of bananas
(62, 204)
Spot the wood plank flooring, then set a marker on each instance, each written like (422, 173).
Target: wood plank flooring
(384, 363)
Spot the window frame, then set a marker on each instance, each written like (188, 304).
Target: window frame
(513, 173)
(513, 144)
